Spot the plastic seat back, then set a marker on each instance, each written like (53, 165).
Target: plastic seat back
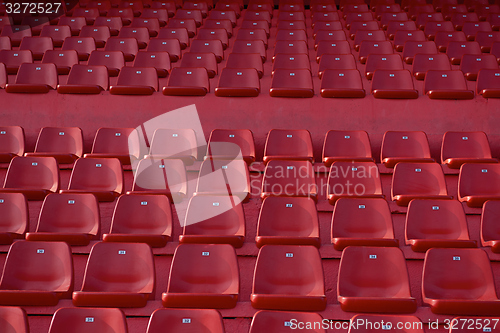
(288, 145)
(231, 144)
(288, 277)
(80, 320)
(465, 147)
(412, 324)
(197, 320)
(478, 182)
(13, 320)
(127, 45)
(13, 59)
(84, 46)
(85, 79)
(14, 217)
(224, 177)
(346, 146)
(11, 142)
(174, 144)
(136, 81)
(65, 144)
(121, 143)
(282, 321)
(399, 146)
(37, 46)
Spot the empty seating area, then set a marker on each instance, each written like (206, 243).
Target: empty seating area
(177, 40)
(250, 166)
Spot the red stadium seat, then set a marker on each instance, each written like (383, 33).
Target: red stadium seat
(459, 19)
(230, 144)
(48, 279)
(181, 34)
(13, 320)
(11, 143)
(375, 62)
(465, 147)
(432, 28)
(353, 6)
(129, 215)
(206, 60)
(244, 61)
(152, 24)
(203, 276)
(398, 146)
(488, 83)
(113, 23)
(172, 46)
(36, 23)
(187, 82)
(443, 39)
(393, 84)
(34, 78)
(424, 18)
(423, 63)
(214, 33)
(198, 320)
(75, 23)
(214, 219)
(65, 144)
(37, 46)
(126, 14)
(374, 279)
(71, 218)
(416, 9)
(294, 145)
(252, 34)
(351, 17)
(407, 4)
(471, 64)
(84, 79)
(3, 76)
(362, 222)
(16, 33)
(176, 23)
(187, 14)
(136, 81)
(120, 143)
(35, 177)
(257, 15)
(218, 24)
(257, 24)
(290, 179)
(389, 8)
(58, 33)
(99, 33)
(90, 14)
(13, 59)
(470, 29)
(274, 225)
(424, 215)
(255, 46)
(292, 83)
(135, 6)
(63, 59)
(224, 14)
(296, 25)
(102, 177)
(486, 39)
(353, 179)
(418, 181)
(207, 46)
(159, 60)
(494, 19)
(174, 144)
(282, 321)
(5, 43)
(456, 50)
(323, 25)
(387, 18)
(356, 26)
(103, 6)
(325, 47)
(276, 269)
(83, 46)
(224, 177)
(113, 60)
(483, 11)
(346, 146)
(336, 61)
(490, 233)
(451, 8)
(444, 84)
(450, 286)
(141, 35)
(238, 83)
(342, 83)
(290, 47)
(284, 15)
(472, 4)
(166, 177)
(83, 319)
(368, 35)
(477, 183)
(369, 47)
(128, 46)
(117, 275)
(321, 35)
(397, 323)
(412, 48)
(401, 37)
(395, 26)
(14, 217)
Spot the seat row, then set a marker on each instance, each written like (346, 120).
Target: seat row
(360, 221)
(66, 145)
(210, 321)
(207, 276)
